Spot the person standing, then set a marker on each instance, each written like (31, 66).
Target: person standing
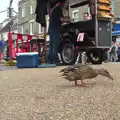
(41, 12)
(54, 30)
(86, 16)
(50, 5)
(113, 53)
(118, 53)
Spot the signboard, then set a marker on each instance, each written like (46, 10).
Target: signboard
(80, 37)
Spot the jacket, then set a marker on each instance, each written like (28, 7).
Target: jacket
(41, 11)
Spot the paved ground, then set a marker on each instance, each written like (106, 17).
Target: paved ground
(40, 94)
(4, 68)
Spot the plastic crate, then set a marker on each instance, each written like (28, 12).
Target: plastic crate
(27, 60)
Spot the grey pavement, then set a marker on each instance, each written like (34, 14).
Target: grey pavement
(3, 68)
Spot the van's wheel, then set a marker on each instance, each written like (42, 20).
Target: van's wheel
(95, 56)
(68, 53)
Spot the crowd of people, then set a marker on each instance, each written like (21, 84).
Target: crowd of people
(113, 54)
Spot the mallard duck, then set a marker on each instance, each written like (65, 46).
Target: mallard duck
(73, 67)
(81, 72)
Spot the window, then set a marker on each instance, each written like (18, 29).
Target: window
(26, 31)
(88, 10)
(23, 12)
(22, 29)
(75, 15)
(32, 27)
(32, 9)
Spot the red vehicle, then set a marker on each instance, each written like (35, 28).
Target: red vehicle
(19, 43)
(14, 51)
(25, 43)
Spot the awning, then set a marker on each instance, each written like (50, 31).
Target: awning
(116, 33)
(116, 28)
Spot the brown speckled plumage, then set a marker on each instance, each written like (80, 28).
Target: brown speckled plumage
(81, 72)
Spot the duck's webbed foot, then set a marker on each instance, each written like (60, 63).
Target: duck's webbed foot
(84, 84)
(76, 84)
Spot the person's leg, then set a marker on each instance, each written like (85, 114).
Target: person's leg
(114, 58)
(56, 43)
(108, 56)
(119, 58)
(50, 56)
(111, 57)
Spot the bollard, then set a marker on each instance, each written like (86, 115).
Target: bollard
(59, 57)
(84, 58)
(78, 57)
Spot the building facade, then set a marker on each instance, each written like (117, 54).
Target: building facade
(26, 18)
(8, 25)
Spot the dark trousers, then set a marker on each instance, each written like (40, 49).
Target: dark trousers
(118, 58)
(54, 44)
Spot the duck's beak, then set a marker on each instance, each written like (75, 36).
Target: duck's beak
(107, 74)
(63, 74)
(62, 70)
(110, 77)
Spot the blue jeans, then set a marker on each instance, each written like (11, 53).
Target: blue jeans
(54, 44)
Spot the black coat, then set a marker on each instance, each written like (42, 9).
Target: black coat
(41, 10)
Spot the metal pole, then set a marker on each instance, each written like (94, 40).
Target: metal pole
(8, 49)
(10, 10)
(8, 46)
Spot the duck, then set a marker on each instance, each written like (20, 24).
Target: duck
(72, 67)
(81, 72)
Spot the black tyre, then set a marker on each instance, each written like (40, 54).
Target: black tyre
(95, 56)
(68, 53)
